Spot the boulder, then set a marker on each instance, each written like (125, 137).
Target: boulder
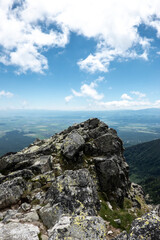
(72, 144)
(79, 228)
(42, 164)
(11, 192)
(108, 144)
(75, 191)
(50, 215)
(18, 231)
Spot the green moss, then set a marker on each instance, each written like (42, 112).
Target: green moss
(35, 202)
(26, 193)
(144, 207)
(127, 203)
(39, 236)
(123, 214)
(46, 186)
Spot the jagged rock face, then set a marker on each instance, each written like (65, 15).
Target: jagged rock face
(101, 145)
(62, 176)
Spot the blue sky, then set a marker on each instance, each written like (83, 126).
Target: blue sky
(79, 55)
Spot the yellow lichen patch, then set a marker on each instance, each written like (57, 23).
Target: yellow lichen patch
(141, 237)
(44, 178)
(146, 222)
(59, 186)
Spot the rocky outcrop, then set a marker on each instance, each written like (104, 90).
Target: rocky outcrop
(51, 189)
(90, 144)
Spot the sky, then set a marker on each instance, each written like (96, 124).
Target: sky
(79, 55)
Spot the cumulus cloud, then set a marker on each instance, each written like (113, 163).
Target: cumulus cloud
(28, 28)
(138, 94)
(128, 102)
(125, 96)
(89, 90)
(68, 98)
(6, 94)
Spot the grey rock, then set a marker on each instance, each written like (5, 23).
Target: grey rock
(118, 221)
(25, 206)
(122, 236)
(146, 227)
(42, 164)
(15, 162)
(44, 237)
(11, 192)
(113, 177)
(50, 215)
(75, 191)
(25, 173)
(109, 144)
(72, 144)
(18, 231)
(9, 215)
(79, 228)
(31, 216)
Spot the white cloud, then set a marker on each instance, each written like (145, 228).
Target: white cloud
(124, 104)
(157, 104)
(6, 94)
(36, 25)
(138, 94)
(126, 97)
(88, 90)
(68, 98)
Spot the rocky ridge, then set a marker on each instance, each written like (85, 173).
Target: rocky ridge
(53, 189)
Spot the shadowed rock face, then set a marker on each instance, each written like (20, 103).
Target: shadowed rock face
(60, 177)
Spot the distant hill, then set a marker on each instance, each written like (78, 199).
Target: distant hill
(144, 162)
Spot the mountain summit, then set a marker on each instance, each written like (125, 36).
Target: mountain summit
(61, 187)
